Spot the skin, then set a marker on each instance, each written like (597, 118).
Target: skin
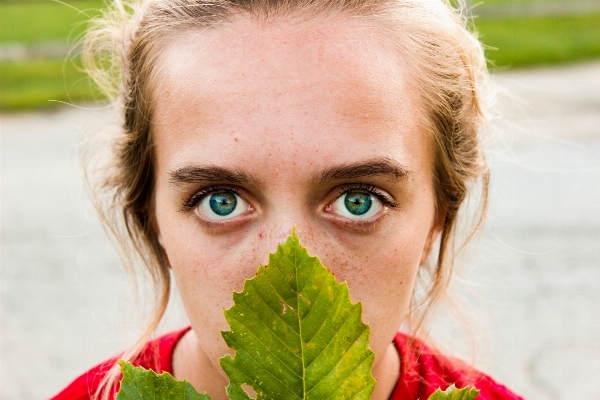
(277, 112)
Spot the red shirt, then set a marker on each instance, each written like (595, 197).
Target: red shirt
(422, 371)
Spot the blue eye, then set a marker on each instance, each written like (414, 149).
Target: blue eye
(222, 205)
(357, 205)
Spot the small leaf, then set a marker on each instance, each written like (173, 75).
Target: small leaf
(296, 333)
(452, 393)
(140, 384)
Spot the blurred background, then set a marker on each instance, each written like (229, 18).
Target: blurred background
(65, 303)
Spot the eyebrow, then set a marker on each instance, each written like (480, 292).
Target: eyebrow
(376, 167)
(209, 173)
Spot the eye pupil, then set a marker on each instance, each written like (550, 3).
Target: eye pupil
(358, 203)
(223, 203)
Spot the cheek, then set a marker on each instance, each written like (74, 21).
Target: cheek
(380, 273)
(207, 271)
(378, 276)
(201, 267)
(386, 257)
(206, 276)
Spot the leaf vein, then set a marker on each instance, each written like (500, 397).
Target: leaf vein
(260, 341)
(139, 390)
(367, 387)
(263, 368)
(317, 297)
(283, 301)
(283, 279)
(366, 356)
(312, 271)
(331, 340)
(321, 327)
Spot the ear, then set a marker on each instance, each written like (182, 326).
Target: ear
(434, 232)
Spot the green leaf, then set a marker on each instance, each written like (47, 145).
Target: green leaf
(296, 333)
(452, 393)
(140, 383)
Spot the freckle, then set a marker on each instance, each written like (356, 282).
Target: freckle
(236, 139)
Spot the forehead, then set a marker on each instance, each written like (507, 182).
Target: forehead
(285, 80)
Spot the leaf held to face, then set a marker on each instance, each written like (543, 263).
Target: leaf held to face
(139, 383)
(452, 393)
(296, 333)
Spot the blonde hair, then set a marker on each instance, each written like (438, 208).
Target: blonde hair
(446, 61)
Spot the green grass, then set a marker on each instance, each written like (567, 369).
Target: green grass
(495, 2)
(41, 83)
(38, 83)
(542, 40)
(28, 22)
(482, 3)
(521, 42)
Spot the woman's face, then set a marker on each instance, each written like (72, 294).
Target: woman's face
(262, 126)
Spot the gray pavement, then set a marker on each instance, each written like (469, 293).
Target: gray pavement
(65, 304)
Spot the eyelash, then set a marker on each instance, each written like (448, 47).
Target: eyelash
(197, 197)
(364, 187)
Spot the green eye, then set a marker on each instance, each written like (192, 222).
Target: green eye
(223, 203)
(358, 203)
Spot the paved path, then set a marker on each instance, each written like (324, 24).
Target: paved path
(64, 301)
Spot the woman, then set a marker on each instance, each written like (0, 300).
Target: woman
(356, 120)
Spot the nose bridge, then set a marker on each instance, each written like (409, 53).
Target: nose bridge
(281, 219)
